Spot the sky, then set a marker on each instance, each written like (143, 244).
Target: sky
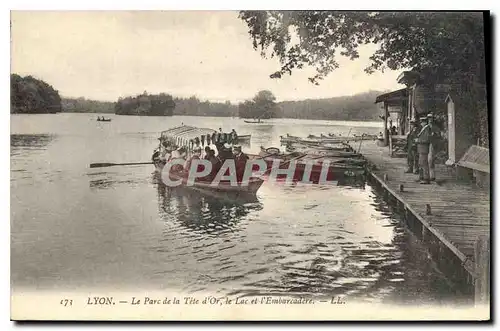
(103, 55)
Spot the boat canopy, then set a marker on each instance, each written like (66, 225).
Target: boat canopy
(185, 135)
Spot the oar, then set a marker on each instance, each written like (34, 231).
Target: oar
(102, 165)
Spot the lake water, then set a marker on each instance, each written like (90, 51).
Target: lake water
(76, 228)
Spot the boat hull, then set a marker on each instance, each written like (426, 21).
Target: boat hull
(222, 187)
(338, 168)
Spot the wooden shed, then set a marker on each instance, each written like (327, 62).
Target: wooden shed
(395, 105)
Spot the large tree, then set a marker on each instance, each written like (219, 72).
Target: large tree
(32, 96)
(146, 105)
(448, 41)
(445, 47)
(263, 105)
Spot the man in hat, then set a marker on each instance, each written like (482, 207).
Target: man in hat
(224, 152)
(423, 141)
(411, 146)
(195, 156)
(433, 137)
(240, 161)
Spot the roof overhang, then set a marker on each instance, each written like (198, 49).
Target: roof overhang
(393, 98)
(408, 77)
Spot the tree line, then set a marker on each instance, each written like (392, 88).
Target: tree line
(29, 95)
(146, 105)
(356, 107)
(83, 105)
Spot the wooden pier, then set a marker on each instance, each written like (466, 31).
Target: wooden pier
(451, 218)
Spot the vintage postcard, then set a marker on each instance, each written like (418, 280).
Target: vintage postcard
(250, 165)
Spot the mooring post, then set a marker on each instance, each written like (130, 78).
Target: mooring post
(386, 178)
(428, 210)
(401, 188)
(482, 268)
(424, 233)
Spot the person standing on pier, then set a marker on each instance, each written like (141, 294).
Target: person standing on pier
(423, 140)
(412, 148)
(433, 137)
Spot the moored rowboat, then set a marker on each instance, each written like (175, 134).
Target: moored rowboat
(338, 166)
(252, 186)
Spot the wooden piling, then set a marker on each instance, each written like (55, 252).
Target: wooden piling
(459, 214)
(482, 268)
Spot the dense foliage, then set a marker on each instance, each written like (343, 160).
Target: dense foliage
(443, 42)
(29, 95)
(194, 107)
(146, 105)
(263, 106)
(444, 47)
(359, 107)
(355, 107)
(82, 105)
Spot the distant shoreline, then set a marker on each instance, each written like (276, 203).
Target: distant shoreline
(240, 118)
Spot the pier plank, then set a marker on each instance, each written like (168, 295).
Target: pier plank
(460, 212)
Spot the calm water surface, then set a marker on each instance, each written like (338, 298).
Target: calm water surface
(74, 228)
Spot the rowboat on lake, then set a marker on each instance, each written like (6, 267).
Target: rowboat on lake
(245, 138)
(338, 166)
(325, 140)
(258, 121)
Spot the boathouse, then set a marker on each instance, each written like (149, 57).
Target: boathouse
(464, 156)
(395, 105)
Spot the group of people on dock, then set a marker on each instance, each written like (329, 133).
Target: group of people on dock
(421, 145)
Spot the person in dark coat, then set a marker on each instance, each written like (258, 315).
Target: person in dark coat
(240, 161)
(433, 142)
(216, 164)
(412, 155)
(207, 152)
(423, 141)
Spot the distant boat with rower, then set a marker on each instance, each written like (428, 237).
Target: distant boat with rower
(102, 119)
(254, 121)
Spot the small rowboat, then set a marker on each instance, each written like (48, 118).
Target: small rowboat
(339, 167)
(104, 120)
(324, 152)
(244, 138)
(324, 140)
(223, 186)
(254, 121)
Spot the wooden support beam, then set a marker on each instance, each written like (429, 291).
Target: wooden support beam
(482, 268)
(386, 115)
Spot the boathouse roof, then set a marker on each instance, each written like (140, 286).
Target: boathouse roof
(408, 77)
(394, 97)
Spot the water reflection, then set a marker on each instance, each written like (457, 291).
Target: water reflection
(204, 212)
(19, 142)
